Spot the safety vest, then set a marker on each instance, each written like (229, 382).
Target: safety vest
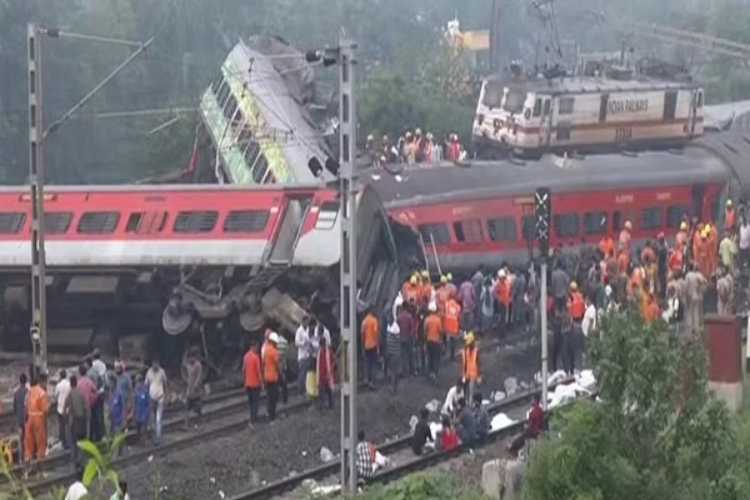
(471, 367)
(371, 332)
(730, 218)
(37, 404)
(576, 306)
(410, 292)
(433, 327)
(502, 291)
(607, 246)
(252, 371)
(451, 318)
(271, 364)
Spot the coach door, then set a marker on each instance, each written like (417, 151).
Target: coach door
(670, 105)
(290, 229)
(545, 130)
(603, 108)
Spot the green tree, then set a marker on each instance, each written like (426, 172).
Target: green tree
(656, 433)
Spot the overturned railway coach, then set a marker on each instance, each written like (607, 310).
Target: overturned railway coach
(142, 260)
(482, 213)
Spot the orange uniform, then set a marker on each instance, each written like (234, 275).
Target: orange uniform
(433, 328)
(425, 294)
(607, 246)
(730, 218)
(271, 364)
(651, 312)
(451, 318)
(470, 364)
(576, 306)
(371, 332)
(502, 292)
(623, 262)
(681, 240)
(410, 292)
(251, 370)
(37, 408)
(676, 260)
(442, 296)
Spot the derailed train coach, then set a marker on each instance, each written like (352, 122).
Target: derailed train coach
(185, 264)
(482, 213)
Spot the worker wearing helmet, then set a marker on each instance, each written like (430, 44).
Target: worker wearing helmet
(410, 290)
(623, 243)
(433, 333)
(442, 294)
(576, 304)
(452, 289)
(730, 216)
(712, 241)
(452, 324)
(503, 295)
(470, 369)
(427, 292)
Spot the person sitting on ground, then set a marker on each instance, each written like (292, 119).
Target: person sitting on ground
(534, 427)
(481, 417)
(422, 432)
(365, 468)
(455, 393)
(467, 426)
(448, 436)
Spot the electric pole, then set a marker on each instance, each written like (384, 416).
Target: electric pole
(348, 193)
(543, 202)
(37, 140)
(38, 329)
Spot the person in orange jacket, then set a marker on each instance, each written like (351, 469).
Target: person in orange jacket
(730, 216)
(607, 245)
(576, 304)
(411, 289)
(503, 296)
(37, 409)
(442, 294)
(623, 262)
(253, 377)
(712, 241)
(433, 333)
(271, 373)
(651, 311)
(452, 324)
(471, 374)
(681, 239)
(623, 243)
(676, 260)
(371, 344)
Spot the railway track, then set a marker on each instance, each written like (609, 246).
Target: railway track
(223, 414)
(516, 405)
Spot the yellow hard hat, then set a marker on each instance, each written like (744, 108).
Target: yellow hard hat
(469, 338)
(425, 273)
(444, 279)
(413, 280)
(449, 276)
(573, 285)
(683, 226)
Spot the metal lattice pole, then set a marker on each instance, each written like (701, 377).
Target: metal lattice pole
(347, 116)
(38, 330)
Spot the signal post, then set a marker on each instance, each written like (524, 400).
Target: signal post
(543, 206)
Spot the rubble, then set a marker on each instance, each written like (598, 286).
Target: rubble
(433, 406)
(501, 421)
(498, 396)
(511, 386)
(326, 455)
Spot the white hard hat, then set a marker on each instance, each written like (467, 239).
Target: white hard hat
(432, 307)
(501, 273)
(274, 337)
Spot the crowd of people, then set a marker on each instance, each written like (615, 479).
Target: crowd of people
(415, 147)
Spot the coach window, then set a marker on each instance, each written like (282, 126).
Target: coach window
(502, 229)
(57, 222)
(134, 222)
(246, 221)
(195, 222)
(529, 227)
(675, 214)
(216, 84)
(595, 222)
(223, 93)
(230, 108)
(438, 232)
(98, 222)
(11, 223)
(537, 107)
(651, 218)
(468, 231)
(547, 107)
(566, 105)
(327, 215)
(566, 225)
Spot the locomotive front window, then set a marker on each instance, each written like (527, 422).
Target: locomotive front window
(566, 106)
(537, 107)
(438, 232)
(514, 100)
(11, 223)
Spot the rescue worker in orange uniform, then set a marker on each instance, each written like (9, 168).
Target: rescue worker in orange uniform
(410, 290)
(623, 243)
(271, 373)
(503, 295)
(730, 217)
(676, 260)
(623, 262)
(652, 311)
(712, 241)
(576, 304)
(37, 409)
(452, 288)
(607, 245)
(442, 294)
(471, 375)
(701, 254)
(371, 343)
(452, 325)
(433, 332)
(426, 290)
(253, 375)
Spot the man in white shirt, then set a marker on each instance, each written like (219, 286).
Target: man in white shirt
(588, 324)
(455, 393)
(62, 390)
(98, 365)
(744, 243)
(156, 381)
(304, 356)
